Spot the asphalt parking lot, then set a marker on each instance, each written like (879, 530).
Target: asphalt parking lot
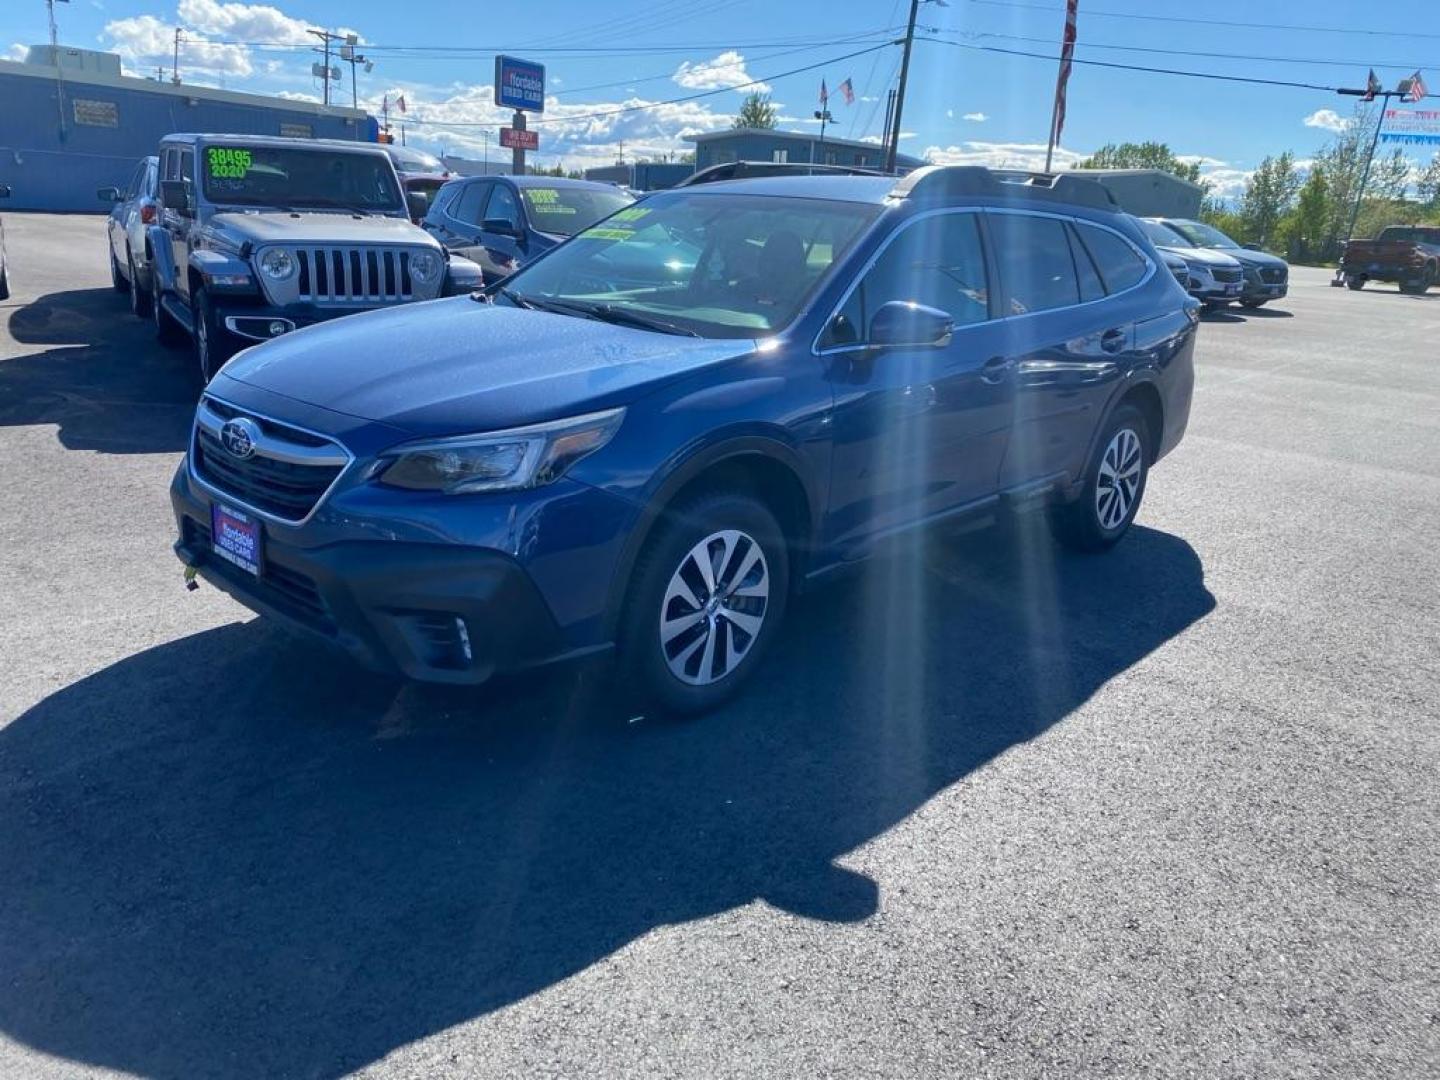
(992, 810)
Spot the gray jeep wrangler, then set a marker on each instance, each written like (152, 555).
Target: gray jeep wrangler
(258, 236)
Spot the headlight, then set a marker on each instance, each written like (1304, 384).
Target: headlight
(277, 264)
(503, 461)
(425, 266)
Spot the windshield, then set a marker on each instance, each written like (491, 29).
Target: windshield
(1163, 235)
(408, 160)
(1202, 235)
(721, 266)
(566, 211)
(288, 176)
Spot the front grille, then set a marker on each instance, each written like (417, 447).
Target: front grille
(354, 275)
(1273, 275)
(287, 475)
(289, 590)
(1226, 276)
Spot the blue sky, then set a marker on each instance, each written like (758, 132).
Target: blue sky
(964, 104)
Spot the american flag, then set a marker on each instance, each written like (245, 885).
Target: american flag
(1418, 89)
(400, 103)
(1372, 87)
(847, 91)
(824, 95)
(1067, 54)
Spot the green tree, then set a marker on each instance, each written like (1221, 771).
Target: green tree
(1269, 194)
(756, 111)
(1427, 187)
(1145, 155)
(1389, 176)
(1343, 162)
(1304, 229)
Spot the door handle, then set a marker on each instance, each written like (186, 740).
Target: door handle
(994, 369)
(1112, 341)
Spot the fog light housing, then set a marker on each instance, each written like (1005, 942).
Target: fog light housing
(277, 328)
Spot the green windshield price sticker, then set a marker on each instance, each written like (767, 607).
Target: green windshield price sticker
(228, 162)
(635, 213)
(608, 234)
(543, 196)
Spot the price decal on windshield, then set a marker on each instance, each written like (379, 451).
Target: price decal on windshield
(228, 162)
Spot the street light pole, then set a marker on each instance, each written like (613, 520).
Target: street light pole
(894, 148)
(1370, 94)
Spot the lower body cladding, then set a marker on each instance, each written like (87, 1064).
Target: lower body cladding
(431, 610)
(1260, 291)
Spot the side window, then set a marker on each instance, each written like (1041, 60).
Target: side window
(441, 202)
(939, 262)
(187, 164)
(1120, 265)
(1091, 287)
(152, 181)
(137, 182)
(171, 163)
(1036, 271)
(503, 205)
(467, 206)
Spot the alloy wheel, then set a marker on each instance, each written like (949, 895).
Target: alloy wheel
(1119, 478)
(714, 607)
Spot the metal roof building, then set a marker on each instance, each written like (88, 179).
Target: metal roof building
(795, 147)
(1149, 192)
(68, 128)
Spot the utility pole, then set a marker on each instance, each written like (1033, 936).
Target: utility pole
(1369, 94)
(175, 66)
(54, 32)
(351, 57)
(325, 37)
(894, 147)
(823, 115)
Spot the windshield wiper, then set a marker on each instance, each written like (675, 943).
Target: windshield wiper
(626, 317)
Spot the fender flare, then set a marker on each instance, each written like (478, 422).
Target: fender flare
(162, 259)
(685, 468)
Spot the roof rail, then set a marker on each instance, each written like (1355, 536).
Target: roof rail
(951, 181)
(740, 170)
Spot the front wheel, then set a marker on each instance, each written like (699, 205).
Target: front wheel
(167, 330)
(706, 600)
(213, 344)
(1355, 284)
(1114, 486)
(1252, 304)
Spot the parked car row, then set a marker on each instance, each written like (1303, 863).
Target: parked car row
(1220, 271)
(641, 441)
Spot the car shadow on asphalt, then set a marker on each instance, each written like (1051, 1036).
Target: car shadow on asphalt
(97, 374)
(233, 855)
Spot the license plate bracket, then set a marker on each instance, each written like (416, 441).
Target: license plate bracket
(236, 537)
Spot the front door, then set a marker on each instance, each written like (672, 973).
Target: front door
(501, 252)
(917, 431)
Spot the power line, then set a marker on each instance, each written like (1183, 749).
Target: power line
(468, 53)
(1093, 13)
(1050, 57)
(620, 110)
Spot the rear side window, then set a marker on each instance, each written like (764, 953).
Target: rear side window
(467, 206)
(1091, 287)
(938, 261)
(1120, 265)
(1036, 270)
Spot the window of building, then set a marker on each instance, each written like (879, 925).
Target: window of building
(1120, 265)
(1036, 270)
(939, 262)
(831, 157)
(780, 157)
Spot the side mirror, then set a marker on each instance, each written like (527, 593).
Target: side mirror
(417, 204)
(4, 191)
(499, 225)
(108, 194)
(903, 322)
(1252, 247)
(176, 195)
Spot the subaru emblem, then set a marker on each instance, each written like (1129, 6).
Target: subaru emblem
(239, 437)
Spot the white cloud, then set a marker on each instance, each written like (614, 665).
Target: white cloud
(1201, 160)
(147, 41)
(248, 22)
(949, 114)
(999, 155)
(725, 71)
(1325, 119)
(975, 117)
(17, 52)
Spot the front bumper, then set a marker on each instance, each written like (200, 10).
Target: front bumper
(434, 612)
(250, 318)
(1256, 288)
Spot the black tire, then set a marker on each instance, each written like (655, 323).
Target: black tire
(1079, 524)
(5, 283)
(117, 279)
(139, 294)
(644, 661)
(1355, 283)
(213, 343)
(1252, 304)
(167, 331)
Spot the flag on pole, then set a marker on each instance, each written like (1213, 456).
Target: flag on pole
(824, 95)
(1372, 87)
(1067, 55)
(1418, 90)
(400, 103)
(847, 91)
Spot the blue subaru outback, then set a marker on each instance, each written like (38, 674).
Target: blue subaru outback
(648, 438)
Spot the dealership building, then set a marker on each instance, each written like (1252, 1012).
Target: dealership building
(794, 147)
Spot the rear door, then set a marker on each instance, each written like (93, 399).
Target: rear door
(917, 431)
(458, 225)
(1065, 342)
(182, 227)
(501, 253)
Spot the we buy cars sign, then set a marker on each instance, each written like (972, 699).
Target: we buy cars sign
(519, 84)
(519, 140)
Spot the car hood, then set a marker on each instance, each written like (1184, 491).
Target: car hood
(1204, 256)
(1246, 257)
(457, 366)
(271, 227)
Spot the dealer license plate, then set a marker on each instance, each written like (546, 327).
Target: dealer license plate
(235, 537)
(1232, 290)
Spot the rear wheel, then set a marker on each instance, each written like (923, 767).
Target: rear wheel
(1355, 283)
(1114, 486)
(1252, 304)
(139, 294)
(4, 283)
(117, 280)
(707, 598)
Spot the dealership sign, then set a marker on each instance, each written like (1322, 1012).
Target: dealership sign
(519, 84)
(1413, 127)
(519, 139)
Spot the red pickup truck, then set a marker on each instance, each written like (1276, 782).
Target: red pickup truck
(1406, 254)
